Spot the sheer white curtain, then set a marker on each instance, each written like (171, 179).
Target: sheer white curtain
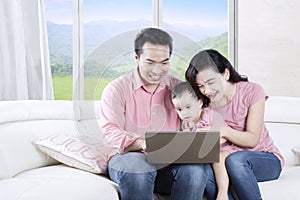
(25, 71)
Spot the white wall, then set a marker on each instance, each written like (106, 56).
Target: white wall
(268, 44)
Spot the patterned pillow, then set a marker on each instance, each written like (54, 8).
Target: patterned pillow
(82, 152)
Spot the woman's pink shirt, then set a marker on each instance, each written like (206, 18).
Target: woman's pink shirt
(235, 114)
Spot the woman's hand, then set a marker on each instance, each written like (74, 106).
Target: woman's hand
(223, 140)
(224, 131)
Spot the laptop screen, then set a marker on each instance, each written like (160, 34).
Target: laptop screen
(183, 147)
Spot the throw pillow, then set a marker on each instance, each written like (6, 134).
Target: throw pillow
(296, 150)
(82, 152)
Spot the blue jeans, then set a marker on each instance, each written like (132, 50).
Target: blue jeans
(137, 178)
(245, 169)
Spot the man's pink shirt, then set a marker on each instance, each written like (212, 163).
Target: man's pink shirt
(128, 109)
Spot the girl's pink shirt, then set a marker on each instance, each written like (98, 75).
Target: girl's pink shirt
(235, 113)
(202, 123)
(128, 110)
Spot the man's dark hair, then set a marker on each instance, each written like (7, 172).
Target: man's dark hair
(155, 36)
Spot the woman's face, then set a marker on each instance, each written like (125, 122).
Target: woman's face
(212, 84)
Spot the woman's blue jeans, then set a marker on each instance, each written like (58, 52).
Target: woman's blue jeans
(245, 169)
(137, 179)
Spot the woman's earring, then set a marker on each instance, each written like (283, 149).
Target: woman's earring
(227, 77)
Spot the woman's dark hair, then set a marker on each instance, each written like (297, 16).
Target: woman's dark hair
(155, 36)
(210, 59)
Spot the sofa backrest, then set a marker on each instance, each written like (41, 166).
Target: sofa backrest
(282, 118)
(23, 122)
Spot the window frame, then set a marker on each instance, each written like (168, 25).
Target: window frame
(78, 39)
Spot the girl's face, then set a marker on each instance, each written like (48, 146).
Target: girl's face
(188, 107)
(213, 84)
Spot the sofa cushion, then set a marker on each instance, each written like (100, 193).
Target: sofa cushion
(286, 136)
(286, 187)
(83, 152)
(296, 150)
(24, 121)
(28, 110)
(17, 150)
(58, 182)
(283, 121)
(282, 110)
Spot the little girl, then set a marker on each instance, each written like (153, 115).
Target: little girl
(189, 108)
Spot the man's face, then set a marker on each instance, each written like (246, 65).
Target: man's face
(153, 63)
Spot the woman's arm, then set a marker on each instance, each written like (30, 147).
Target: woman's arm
(250, 137)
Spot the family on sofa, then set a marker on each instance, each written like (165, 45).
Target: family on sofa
(68, 149)
(140, 101)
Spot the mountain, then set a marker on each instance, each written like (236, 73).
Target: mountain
(109, 50)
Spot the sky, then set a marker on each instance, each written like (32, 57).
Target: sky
(189, 12)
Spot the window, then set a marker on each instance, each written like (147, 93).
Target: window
(108, 31)
(201, 24)
(59, 18)
(205, 22)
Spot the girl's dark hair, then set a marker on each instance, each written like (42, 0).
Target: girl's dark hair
(181, 89)
(155, 36)
(210, 59)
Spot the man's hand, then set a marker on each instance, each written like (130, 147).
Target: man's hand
(138, 145)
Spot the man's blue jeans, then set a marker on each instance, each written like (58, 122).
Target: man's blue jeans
(137, 178)
(245, 169)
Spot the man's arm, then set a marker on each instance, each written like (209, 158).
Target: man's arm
(112, 121)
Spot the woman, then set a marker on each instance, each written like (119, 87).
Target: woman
(253, 156)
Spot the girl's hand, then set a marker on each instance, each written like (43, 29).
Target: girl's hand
(207, 128)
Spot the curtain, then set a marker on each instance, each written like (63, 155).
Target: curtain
(25, 71)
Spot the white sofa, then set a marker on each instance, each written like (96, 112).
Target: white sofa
(26, 173)
(282, 117)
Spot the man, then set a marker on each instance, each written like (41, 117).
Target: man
(138, 102)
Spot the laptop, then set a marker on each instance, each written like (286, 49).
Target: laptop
(183, 147)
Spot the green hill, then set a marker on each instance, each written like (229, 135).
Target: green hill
(110, 60)
(219, 43)
(114, 56)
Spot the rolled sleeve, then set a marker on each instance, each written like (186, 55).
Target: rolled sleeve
(112, 112)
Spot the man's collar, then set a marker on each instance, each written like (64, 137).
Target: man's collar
(138, 81)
